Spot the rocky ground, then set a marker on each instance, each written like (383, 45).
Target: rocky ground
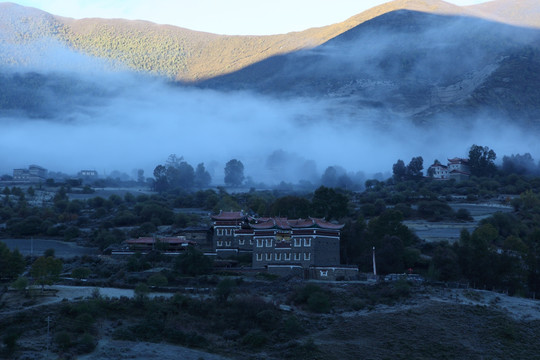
(431, 322)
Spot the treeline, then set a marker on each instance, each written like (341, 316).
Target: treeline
(480, 160)
(105, 221)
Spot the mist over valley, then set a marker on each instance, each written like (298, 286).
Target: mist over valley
(403, 84)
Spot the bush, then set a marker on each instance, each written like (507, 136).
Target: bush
(63, 340)
(464, 215)
(318, 302)
(157, 280)
(87, 344)
(316, 299)
(255, 339)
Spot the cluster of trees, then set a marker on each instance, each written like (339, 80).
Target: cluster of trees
(481, 161)
(410, 172)
(179, 174)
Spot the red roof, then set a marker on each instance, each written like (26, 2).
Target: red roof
(457, 160)
(169, 240)
(286, 224)
(229, 215)
(438, 165)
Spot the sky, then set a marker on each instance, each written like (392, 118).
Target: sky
(231, 17)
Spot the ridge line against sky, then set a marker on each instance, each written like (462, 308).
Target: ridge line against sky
(230, 17)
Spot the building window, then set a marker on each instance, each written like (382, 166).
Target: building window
(324, 272)
(278, 257)
(268, 256)
(296, 256)
(259, 257)
(297, 242)
(220, 243)
(219, 232)
(307, 241)
(241, 242)
(287, 256)
(307, 256)
(227, 243)
(259, 243)
(268, 242)
(250, 241)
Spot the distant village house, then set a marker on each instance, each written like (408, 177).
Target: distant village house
(457, 168)
(34, 174)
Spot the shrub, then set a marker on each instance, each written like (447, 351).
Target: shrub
(255, 339)
(463, 214)
(86, 344)
(318, 302)
(63, 340)
(158, 280)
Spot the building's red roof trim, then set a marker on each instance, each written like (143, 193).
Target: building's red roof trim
(168, 240)
(229, 215)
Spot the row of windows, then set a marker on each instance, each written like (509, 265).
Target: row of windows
(228, 243)
(297, 242)
(284, 256)
(226, 232)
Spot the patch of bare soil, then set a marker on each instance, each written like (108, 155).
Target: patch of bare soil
(117, 349)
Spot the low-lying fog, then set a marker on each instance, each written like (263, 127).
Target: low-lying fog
(128, 121)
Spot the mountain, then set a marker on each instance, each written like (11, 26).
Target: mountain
(184, 54)
(419, 59)
(415, 64)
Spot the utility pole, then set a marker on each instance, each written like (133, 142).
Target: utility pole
(48, 338)
(374, 264)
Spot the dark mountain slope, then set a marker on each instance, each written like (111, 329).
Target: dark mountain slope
(177, 52)
(411, 63)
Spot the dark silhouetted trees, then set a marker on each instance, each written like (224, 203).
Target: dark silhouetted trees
(482, 161)
(202, 177)
(234, 173)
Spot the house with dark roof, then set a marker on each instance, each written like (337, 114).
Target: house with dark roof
(171, 245)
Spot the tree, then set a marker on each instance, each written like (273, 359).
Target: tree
(193, 262)
(482, 161)
(160, 174)
(11, 262)
(46, 270)
(399, 170)
(330, 177)
(202, 177)
(329, 204)
(234, 173)
(140, 176)
(415, 167)
(519, 164)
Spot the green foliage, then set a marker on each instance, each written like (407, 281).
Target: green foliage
(482, 161)
(193, 262)
(158, 280)
(11, 262)
(81, 273)
(329, 204)
(314, 297)
(141, 291)
(224, 289)
(46, 270)
(434, 210)
(21, 284)
(63, 340)
(234, 173)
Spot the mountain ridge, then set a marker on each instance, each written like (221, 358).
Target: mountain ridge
(187, 55)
